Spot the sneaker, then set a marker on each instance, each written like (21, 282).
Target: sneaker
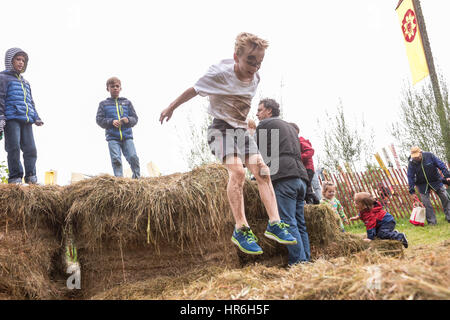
(31, 180)
(246, 241)
(279, 232)
(404, 240)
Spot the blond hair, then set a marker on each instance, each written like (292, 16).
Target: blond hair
(366, 199)
(245, 39)
(326, 185)
(111, 81)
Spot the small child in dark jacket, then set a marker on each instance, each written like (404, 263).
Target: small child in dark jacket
(379, 223)
(117, 116)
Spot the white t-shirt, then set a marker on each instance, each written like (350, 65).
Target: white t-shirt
(229, 98)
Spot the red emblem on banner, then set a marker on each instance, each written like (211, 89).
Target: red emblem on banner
(409, 26)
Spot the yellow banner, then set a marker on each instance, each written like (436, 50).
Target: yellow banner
(413, 40)
(381, 163)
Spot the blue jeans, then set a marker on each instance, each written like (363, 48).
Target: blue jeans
(290, 196)
(19, 136)
(386, 231)
(116, 148)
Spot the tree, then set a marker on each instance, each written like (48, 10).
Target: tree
(346, 144)
(196, 149)
(419, 121)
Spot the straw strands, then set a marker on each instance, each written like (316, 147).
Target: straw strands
(156, 232)
(181, 209)
(366, 275)
(31, 223)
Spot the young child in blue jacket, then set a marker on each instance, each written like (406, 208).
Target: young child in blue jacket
(117, 115)
(17, 115)
(379, 223)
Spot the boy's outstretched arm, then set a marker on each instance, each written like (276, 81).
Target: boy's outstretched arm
(184, 97)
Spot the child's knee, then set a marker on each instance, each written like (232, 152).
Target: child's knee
(237, 175)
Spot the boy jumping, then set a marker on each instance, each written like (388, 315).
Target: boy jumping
(230, 85)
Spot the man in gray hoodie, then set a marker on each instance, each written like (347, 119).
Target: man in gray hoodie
(17, 115)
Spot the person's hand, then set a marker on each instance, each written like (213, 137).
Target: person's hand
(367, 239)
(413, 197)
(39, 123)
(116, 123)
(124, 120)
(166, 113)
(354, 218)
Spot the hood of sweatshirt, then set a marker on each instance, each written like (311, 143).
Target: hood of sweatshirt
(10, 54)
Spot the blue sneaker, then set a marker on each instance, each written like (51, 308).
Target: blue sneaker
(246, 241)
(279, 232)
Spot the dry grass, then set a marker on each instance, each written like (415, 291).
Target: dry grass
(31, 223)
(422, 274)
(179, 209)
(31, 207)
(128, 230)
(26, 265)
(173, 229)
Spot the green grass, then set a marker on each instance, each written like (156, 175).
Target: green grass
(416, 235)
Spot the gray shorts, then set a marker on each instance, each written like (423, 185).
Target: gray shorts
(225, 140)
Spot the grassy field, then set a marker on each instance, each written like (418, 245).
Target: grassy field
(416, 235)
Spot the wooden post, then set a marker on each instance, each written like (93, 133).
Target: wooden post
(440, 110)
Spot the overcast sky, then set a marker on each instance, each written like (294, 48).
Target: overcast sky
(320, 51)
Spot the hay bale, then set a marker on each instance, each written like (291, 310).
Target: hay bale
(31, 223)
(179, 209)
(133, 230)
(367, 275)
(325, 236)
(31, 207)
(27, 265)
(129, 230)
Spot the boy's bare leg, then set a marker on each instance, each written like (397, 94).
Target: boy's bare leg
(235, 189)
(258, 168)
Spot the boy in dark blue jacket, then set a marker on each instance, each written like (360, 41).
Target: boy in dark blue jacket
(117, 116)
(17, 115)
(379, 223)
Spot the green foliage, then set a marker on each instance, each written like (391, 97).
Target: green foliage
(345, 143)
(419, 123)
(4, 172)
(198, 152)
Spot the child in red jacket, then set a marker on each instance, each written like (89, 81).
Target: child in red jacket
(379, 223)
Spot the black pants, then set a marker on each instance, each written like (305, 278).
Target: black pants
(310, 194)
